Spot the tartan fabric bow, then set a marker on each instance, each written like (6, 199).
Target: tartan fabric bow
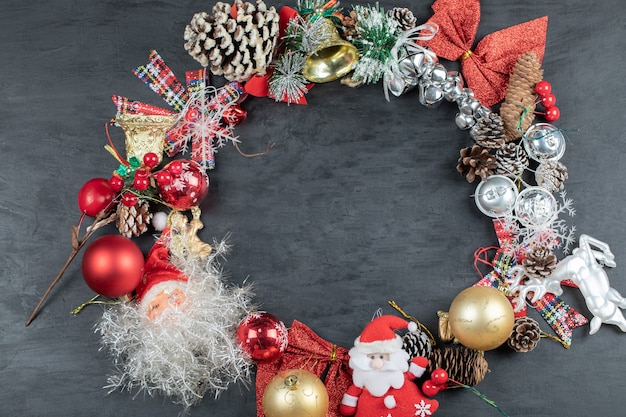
(487, 67)
(306, 350)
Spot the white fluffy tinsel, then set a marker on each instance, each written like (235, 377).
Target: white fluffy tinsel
(188, 352)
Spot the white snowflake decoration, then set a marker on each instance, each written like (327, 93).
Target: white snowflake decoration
(422, 409)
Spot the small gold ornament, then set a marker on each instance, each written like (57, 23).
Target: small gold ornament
(481, 318)
(144, 133)
(295, 393)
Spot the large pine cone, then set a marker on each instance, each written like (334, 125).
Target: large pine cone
(235, 47)
(551, 175)
(134, 220)
(525, 335)
(517, 110)
(511, 160)
(417, 343)
(464, 365)
(404, 17)
(539, 262)
(476, 161)
(488, 132)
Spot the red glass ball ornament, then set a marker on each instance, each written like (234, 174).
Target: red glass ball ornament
(94, 196)
(548, 100)
(552, 114)
(141, 183)
(116, 183)
(234, 115)
(543, 87)
(112, 265)
(129, 199)
(263, 336)
(151, 160)
(189, 185)
(430, 389)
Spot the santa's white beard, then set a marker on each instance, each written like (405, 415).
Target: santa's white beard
(188, 351)
(378, 381)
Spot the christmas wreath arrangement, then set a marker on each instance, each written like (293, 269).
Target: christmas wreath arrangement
(175, 328)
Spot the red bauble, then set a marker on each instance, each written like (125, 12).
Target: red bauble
(548, 100)
(94, 196)
(543, 88)
(112, 265)
(263, 336)
(188, 186)
(552, 114)
(233, 115)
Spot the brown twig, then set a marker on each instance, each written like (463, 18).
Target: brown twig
(77, 244)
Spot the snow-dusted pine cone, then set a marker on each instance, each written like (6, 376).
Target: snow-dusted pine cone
(417, 343)
(405, 17)
(348, 25)
(488, 132)
(464, 365)
(134, 220)
(235, 47)
(511, 160)
(476, 161)
(539, 262)
(525, 335)
(551, 175)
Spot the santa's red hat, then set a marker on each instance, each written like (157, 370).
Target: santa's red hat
(159, 273)
(379, 335)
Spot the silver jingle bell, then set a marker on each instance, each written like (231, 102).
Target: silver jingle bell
(407, 77)
(544, 142)
(438, 74)
(496, 196)
(535, 207)
(464, 121)
(430, 94)
(453, 87)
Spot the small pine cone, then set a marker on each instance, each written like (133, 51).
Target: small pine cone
(517, 110)
(511, 160)
(134, 220)
(476, 161)
(488, 132)
(539, 262)
(464, 365)
(551, 175)
(525, 335)
(405, 18)
(417, 343)
(348, 25)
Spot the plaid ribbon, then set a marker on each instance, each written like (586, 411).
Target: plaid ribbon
(559, 315)
(160, 78)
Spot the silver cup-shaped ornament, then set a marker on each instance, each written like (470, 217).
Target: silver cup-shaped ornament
(496, 196)
(535, 207)
(544, 142)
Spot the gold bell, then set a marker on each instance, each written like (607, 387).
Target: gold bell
(333, 59)
(144, 133)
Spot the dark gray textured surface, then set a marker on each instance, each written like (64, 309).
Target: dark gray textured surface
(358, 202)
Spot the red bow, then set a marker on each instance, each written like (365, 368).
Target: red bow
(308, 351)
(487, 67)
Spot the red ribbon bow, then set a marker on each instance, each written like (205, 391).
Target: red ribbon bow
(308, 351)
(487, 67)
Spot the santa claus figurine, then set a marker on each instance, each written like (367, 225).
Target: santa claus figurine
(383, 376)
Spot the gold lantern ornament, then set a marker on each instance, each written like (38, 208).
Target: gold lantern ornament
(333, 58)
(295, 393)
(481, 318)
(145, 133)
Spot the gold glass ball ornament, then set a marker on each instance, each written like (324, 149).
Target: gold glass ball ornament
(295, 393)
(481, 318)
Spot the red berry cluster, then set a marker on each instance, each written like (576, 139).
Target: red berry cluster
(548, 101)
(438, 381)
(141, 179)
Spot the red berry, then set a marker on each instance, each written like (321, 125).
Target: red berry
(548, 100)
(430, 389)
(439, 376)
(142, 173)
(175, 168)
(116, 183)
(163, 178)
(151, 160)
(141, 183)
(552, 114)
(94, 196)
(129, 199)
(543, 87)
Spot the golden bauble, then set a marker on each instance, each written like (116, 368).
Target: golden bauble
(295, 393)
(481, 318)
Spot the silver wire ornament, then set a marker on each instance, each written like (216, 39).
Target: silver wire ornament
(535, 207)
(544, 142)
(496, 196)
